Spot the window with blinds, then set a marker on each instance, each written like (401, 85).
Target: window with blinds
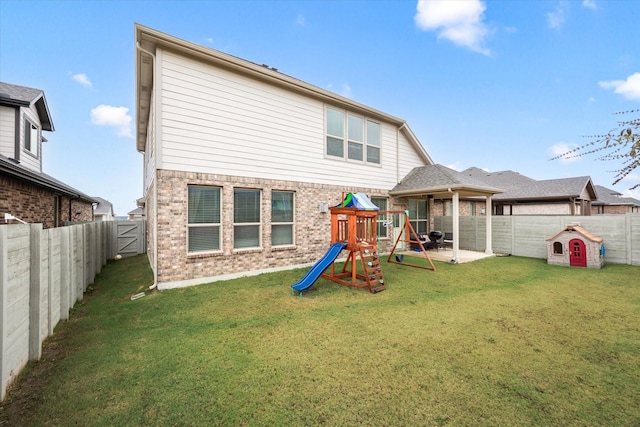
(282, 208)
(246, 218)
(203, 213)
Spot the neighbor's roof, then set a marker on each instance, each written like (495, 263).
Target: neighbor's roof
(136, 211)
(148, 39)
(22, 96)
(519, 187)
(609, 197)
(577, 228)
(104, 207)
(9, 167)
(439, 180)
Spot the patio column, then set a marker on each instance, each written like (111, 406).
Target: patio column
(488, 248)
(456, 227)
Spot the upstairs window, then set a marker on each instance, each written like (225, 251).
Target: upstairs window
(351, 136)
(335, 133)
(373, 142)
(31, 137)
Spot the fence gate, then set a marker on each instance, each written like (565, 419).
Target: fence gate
(130, 238)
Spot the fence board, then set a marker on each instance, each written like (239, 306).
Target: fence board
(525, 235)
(43, 273)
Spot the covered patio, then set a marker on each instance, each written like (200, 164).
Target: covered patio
(441, 182)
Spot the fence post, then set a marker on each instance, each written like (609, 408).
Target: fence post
(65, 296)
(35, 291)
(4, 279)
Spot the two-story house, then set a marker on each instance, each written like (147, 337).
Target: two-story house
(241, 162)
(26, 193)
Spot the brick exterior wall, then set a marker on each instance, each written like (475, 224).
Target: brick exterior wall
(312, 229)
(35, 204)
(610, 209)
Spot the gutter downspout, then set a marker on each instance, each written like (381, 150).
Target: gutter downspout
(71, 199)
(155, 186)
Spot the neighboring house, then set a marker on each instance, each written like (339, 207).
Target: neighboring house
(241, 161)
(103, 211)
(26, 193)
(527, 196)
(136, 214)
(611, 202)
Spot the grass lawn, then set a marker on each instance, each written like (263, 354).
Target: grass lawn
(502, 341)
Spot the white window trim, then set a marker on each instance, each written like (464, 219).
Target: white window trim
(32, 126)
(380, 220)
(346, 140)
(241, 224)
(292, 224)
(212, 224)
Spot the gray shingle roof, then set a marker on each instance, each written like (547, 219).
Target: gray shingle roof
(104, 206)
(439, 178)
(607, 196)
(520, 187)
(22, 96)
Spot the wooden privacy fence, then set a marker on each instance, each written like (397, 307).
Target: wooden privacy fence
(43, 273)
(525, 235)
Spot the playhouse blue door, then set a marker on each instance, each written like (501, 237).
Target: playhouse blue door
(577, 254)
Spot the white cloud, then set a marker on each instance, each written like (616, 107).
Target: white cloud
(345, 91)
(83, 79)
(561, 148)
(555, 19)
(589, 4)
(458, 21)
(116, 117)
(629, 88)
(300, 21)
(455, 166)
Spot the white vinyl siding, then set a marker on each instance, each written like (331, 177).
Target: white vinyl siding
(246, 219)
(7, 132)
(204, 207)
(215, 120)
(150, 150)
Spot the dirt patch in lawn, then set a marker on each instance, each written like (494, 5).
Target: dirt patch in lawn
(26, 393)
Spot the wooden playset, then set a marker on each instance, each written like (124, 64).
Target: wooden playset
(356, 228)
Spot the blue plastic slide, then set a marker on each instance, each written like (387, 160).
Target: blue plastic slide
(319, 267)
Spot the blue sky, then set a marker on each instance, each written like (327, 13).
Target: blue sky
(500, 85)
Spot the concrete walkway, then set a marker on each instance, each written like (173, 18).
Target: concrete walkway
(446, 254)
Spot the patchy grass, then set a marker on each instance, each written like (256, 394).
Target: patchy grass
(502, 341)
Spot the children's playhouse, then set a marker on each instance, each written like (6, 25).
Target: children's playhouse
(574, 246)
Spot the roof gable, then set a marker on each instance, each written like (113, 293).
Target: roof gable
(439, 179)
(22, 96)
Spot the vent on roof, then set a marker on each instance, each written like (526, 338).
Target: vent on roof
(269, 67)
